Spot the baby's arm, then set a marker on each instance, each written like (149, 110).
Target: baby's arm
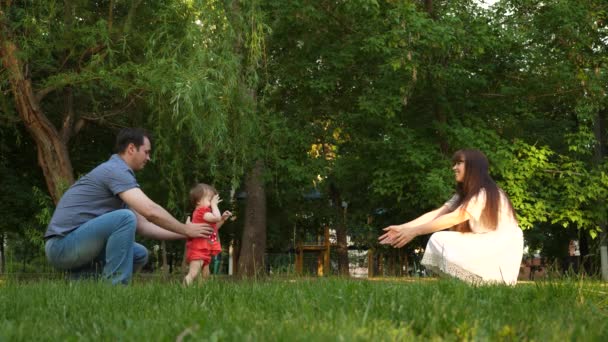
(214, 216)
(225, 216)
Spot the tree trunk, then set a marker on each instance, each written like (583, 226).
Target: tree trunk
(428, 7)
(165, 262)
(233, 260)
(53, 155)
(437, 91)
(599, 128)
(253, 243)
(2, 263)
(341, 234)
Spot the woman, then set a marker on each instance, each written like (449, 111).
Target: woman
(485, 244)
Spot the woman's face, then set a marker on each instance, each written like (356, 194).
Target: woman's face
(459, 171)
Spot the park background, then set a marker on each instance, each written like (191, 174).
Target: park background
(307, 115)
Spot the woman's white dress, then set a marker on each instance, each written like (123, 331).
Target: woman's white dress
(482, 256)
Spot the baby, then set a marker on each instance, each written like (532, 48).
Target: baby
(199, 251)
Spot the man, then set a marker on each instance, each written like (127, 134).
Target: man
(97, 217)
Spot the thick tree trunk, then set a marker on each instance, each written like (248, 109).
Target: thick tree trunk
(341, 234)
(253, 243)
(53, 155)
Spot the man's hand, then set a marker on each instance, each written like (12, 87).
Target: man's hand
(198, 230)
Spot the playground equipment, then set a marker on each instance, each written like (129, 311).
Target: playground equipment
(322, 247)
(390, 263)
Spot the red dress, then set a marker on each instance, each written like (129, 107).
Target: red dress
(203, 248)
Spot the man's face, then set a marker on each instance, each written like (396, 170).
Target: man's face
(140, 156)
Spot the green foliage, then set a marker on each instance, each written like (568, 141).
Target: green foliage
(42, 218)
(24, 207)
(206, 122)
(368, 98)
(392, 92)
(170, 65)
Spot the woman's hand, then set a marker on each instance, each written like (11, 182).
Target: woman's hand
(397, 236)
(388, 237)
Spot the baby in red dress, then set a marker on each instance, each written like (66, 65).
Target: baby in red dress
(199, 251)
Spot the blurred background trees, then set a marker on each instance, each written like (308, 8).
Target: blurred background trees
(305, 114)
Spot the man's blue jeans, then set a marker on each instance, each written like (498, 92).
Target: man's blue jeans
(108, 240)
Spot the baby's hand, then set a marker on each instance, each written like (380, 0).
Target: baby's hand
(226, 215)
(215, 199)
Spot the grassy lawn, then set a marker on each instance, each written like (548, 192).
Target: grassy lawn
(303, 310)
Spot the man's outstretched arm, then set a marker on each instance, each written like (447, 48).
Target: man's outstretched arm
(149, 230)
(154, 213)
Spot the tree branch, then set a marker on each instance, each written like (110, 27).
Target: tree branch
(40, 94)
(68, 119)
(90, 52)
(9, 119)
(560, 171)
(531, 97)
(330, 12)
(96, 117)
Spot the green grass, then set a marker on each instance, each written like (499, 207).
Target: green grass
(303, 310)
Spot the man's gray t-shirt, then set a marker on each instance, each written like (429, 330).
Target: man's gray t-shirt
(91, 196)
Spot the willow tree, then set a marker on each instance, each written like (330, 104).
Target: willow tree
(215, 112)
(250, 32)
(170, 66)
(17, 29)
(166, 65)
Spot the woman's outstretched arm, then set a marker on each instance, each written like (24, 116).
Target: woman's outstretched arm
(398, 238)
(387, 237)
(442, 222)
(428, 217)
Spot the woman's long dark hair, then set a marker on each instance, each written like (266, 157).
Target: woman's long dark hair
(476, 178)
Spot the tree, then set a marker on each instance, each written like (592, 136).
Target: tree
(19, 176)
(168, 65)
(395, 92)
(174, 67)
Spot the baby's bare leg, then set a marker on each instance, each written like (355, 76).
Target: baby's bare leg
(193, 270)
(206, 272)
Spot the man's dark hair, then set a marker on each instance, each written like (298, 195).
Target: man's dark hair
(128, 136)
